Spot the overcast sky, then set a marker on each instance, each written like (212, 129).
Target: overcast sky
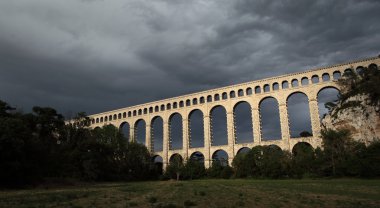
(93, 55)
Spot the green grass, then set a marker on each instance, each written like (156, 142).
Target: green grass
(203, 193)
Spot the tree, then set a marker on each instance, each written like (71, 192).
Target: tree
(303, 159)
(175, 167)
(335, 144)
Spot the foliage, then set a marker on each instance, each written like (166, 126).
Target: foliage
(365, 83)
(40, 145)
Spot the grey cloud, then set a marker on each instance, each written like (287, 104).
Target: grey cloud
(94, 56)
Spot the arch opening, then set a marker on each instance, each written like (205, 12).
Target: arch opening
(270, 119)
(218, 126)
(140, 131)
(175, 131)
(285, 85)
(325, 77)
(157, 133)
(299, 115)
(198, 157)
(125, 129)
(221, 157)
(314, 79)
(243, 150)
(176, 158)
(336, 75)
(294, 83)
(196, 129)
(276, 86)
(327, 98)
(243, 123)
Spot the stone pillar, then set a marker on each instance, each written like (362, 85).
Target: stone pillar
(314, 116)
(256, 125)
(207, 140)
(231, 136)
(284, 125)
(148, 138)
(132, 131)
(165, 148)
(185, 139)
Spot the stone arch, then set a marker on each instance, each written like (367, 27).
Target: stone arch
(119, 116)
(216, 97)
(140, 112)
(97, 128)
(134, 113)
(325, 77)
(114, 116)
(196, 128)
(266, 88)
(145, 110)
(295, 83)
(181, 104)
(315, 79)
(270, 119)
(304, 81)
(156, 108)
(175, 105)
(360, 70)
(275, 146)
(158, 163)
(175, 131)
(125, 129)
(105, 118)
(97, 120)
(243, 150)
(299, 115)
(218, 126)
(336, 75)
(326, 95)
(195, 101)
(240, 93)
(110, 117)
(257, 90)
(198, 157)
(248, 91)
(202, 100)
(209, 98)
(129, 113)
(224, 96)
(232, 94)
(374, 66)
(220, 156)
(175, 158)
(140, 131)
(124, 115)
(157, 133)
(347, 72)
(243, 122)
(168, 106)
(275, 86)
(101, 119)
(188, 102)
(285, 84)
(157, 158)
(150, 109)
(302, 146)
(162, 107)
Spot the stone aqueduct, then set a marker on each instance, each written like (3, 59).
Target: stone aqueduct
(309, 82)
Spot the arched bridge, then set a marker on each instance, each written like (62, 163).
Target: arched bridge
(152, 122)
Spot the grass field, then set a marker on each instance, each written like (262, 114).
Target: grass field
(203, 193)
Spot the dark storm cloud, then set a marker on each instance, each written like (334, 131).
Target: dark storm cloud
(99, 55)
